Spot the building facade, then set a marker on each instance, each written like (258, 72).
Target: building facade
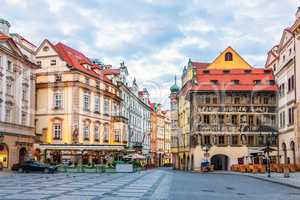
(283, 59)
(231, 112)
(17, 97)
(78, 113)
(135, 108)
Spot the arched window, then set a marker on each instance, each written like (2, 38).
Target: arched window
(228, 56)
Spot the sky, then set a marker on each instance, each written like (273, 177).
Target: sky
(155, 38)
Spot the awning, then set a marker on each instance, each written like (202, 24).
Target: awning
(81, 147)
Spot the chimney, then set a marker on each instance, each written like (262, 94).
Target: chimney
(4, 26)
(298, 13)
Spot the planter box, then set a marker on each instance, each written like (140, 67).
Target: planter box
(124, 168)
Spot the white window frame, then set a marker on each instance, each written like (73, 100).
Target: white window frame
(86, 102)
(57, 131)
(57, 100)
(106, 106)
(97, 133)
(86, 132)
(106, 134)
(97, 104)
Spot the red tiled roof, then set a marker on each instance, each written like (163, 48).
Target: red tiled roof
(77, 60)
(220, 80)
(111, 72)
(200, 64)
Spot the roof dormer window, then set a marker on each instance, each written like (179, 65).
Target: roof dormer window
(228, 56)
(235, 82)
(226, 71)
(247, 71)
(215, 82)
(257, 82)
(205, 71)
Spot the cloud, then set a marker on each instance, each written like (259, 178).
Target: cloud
(154, 37)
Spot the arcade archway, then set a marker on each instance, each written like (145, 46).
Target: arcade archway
(3, 156)
(220, 162)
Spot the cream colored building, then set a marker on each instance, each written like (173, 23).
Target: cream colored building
(284, 60)
(78, 114)
(17, 97)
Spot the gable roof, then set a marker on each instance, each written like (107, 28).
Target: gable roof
(17, 51)
(272, 56)
(5, 38)
(76, 60)
(237, 63)
(200, 64)
(114, 72)
(286, 31)
(234, 80)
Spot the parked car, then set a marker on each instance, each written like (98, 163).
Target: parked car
(34, 166)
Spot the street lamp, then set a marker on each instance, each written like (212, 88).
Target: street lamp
(271, 138)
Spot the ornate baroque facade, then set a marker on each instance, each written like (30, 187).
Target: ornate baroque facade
(284, 60)
(230, 112)
(17, 97)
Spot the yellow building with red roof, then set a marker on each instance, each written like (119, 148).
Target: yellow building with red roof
(226, 113)
(78, 116)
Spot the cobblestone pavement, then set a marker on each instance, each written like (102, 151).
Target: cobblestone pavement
(158, 184)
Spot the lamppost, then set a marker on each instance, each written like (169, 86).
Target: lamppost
(270, 140)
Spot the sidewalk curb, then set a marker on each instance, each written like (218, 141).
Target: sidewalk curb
(261, 178)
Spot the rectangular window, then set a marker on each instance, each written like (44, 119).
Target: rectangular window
(261, 140)
(97, 104)
(97, 133)
(206, 139)
(250, 140)
(24, 93)
(235, 140)
(236, 100)
(266, 100)
(221, 119)
(8, 114)
(291, 116)
(206, 119)
(9, 89)
(53, 62)
(221, 140)
(9, 66)
(207, 100)
(117, 135)
(106, 106)
(57, 100)
(250, 120)
(86, 102)
(57, 131)
(234, 119)
(106, 134)
(24, 118)
(86, 132)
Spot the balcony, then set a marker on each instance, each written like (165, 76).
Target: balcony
(118, 117)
